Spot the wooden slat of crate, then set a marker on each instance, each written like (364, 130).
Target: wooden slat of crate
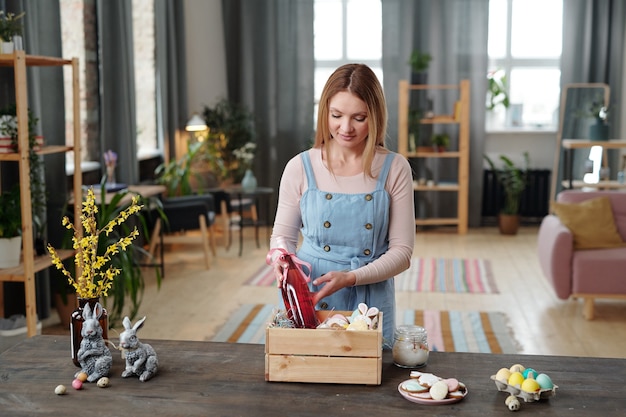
(323, 369)
(324, 342)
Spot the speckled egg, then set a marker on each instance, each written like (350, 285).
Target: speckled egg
(512, 403)
(103, 382)
(60, 390)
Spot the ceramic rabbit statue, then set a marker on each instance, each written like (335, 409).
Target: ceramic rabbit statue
(141, 359)
(93, 355)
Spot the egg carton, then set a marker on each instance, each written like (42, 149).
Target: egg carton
(526, 396)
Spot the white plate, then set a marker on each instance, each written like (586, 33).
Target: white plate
(414, 397)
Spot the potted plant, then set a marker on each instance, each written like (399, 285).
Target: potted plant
(497, 90)
(8, 133)
(513, 180)
(599, 112)
(106, 250)
(440, 141)
(10, 228)
(10, 27)
(231, 127)
(419, 62)
(177, 175)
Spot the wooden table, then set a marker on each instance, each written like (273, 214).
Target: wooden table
(144, 190)
(221, 379)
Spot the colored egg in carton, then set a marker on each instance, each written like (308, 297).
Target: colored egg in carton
(526, 396)
(524, 383)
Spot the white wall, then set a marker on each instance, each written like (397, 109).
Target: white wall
(541, 147)
(206, 63)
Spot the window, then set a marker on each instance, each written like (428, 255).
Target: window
(525, 47)
(79, 40)
(346, 31)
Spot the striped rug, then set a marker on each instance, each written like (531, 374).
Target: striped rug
(426, 275)
(449, 331)
(448, 275)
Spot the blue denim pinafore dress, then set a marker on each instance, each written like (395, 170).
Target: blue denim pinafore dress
(344, 232)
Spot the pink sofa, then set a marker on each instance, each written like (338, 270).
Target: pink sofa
(586, 274)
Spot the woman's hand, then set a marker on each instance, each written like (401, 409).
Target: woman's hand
(279, 268)
(333, 281)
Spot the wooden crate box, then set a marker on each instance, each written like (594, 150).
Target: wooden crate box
(324, 355)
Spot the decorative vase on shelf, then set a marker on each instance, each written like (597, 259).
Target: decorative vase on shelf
(76, 325)
(248, 183)
(7, 47)
(10, 251)
(18, 43)
(599, 131)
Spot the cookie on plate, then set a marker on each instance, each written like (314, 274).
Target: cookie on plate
(413, 386)
(439, 390)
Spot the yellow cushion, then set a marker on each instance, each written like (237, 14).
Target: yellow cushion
(591, 222)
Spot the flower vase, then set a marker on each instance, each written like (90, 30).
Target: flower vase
(248, 183)
(76, 325)
(599, 131)
(7, 47)
(111, 175)
(10, 251)
(18, 43)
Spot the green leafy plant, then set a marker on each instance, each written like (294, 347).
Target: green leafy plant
(8, 128)
(10, 25)
(176, 175)
(124, 293)
(440, 140)
(10, 214)
(231, 127)
(419, 61)
(513, 180)
(497, 90)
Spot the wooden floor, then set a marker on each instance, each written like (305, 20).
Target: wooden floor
(193, 303)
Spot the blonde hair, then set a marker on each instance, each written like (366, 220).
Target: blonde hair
(359, 80)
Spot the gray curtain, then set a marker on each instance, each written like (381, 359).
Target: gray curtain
(454, 32)
(171, 80)
(270, 63)
(118, 127)
(593, 52)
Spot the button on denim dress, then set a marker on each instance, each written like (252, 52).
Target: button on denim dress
(344, 231)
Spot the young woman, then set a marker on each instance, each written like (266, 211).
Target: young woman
(352, 200)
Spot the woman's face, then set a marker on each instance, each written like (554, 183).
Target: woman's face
(347, 120)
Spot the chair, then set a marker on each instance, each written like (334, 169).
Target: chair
(242, 212)
(228, 209)
(183, 214)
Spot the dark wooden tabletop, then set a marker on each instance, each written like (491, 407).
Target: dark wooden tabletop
(220, 379)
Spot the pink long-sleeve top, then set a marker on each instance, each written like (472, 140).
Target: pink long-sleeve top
(401, 211)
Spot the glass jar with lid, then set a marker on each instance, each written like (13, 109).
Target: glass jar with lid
(410, 346)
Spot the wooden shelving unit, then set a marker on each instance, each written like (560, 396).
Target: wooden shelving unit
(31, 263)
(459, 115)
(572, 144)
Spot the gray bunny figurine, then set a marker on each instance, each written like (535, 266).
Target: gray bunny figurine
(93, 355)
(141, 359)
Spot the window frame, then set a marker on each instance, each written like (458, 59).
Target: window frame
(507, 64)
